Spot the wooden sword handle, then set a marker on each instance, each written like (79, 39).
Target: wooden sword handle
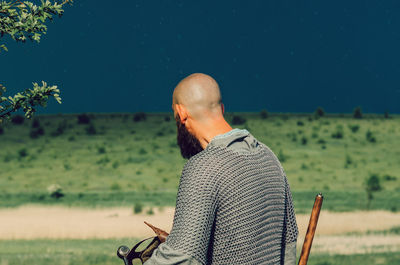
(312, 225)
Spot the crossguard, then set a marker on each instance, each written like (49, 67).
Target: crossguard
(128, 256)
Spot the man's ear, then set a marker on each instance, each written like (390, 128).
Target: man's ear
(182, 112)
(222, 108)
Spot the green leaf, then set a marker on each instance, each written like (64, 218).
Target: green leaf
(3, 47)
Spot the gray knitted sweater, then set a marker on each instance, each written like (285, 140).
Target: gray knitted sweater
(234, 206)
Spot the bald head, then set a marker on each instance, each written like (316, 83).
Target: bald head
(200, 95)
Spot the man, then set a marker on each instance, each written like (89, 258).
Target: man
(234, 204)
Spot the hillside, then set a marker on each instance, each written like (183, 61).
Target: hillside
(122, 159)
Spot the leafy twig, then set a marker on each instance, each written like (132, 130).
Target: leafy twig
(27, 100)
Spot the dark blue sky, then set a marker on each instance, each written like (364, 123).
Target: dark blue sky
(283, 56)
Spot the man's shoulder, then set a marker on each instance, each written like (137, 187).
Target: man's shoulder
(204, 159)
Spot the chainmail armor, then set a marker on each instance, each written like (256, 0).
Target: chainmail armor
(240, 208)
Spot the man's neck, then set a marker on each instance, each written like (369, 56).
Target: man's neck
(207, 133)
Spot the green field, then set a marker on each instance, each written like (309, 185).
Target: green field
(116, 161)
(103, 252)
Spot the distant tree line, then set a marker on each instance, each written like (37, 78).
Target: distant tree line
(318, 113)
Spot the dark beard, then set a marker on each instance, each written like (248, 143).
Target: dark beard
(188, 144)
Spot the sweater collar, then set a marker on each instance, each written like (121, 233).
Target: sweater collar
(236, 139)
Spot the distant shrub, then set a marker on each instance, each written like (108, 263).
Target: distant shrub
(304, 166)
(370, 137)
(167, 118)
(386, 115)
(67, 166)
(137, 208)
(83, 119)
(319, 112)
(103, 160)
(300, 123)
(338, 134)
(348, 161)
(150, 211)
(389, 178)
(160, 133)
(22, 152)
(304, 140)
(41, 197)
(354, 128)
(238, 120)
(140, 116)
(314, 135)
(71, 138)
(1, 130)
(142, 151)
(115, 186)
(61, 127)
(36, 132)
(91, 129)
(59, 131)
(35, 123)
(101, 150)
(372, 185)
(264, 114)
(115, 164)
(55, 191)
(281, 156)
(17, 119)
(40, 130)
(357, 114)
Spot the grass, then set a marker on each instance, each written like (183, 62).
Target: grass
(125, 161)
(63, 252)
(364, 259)
(334, 200)
(103, 252)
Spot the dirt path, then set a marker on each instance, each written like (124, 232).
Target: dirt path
(333, 223)
(32, 222)
(352, 244)
(29, 222)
